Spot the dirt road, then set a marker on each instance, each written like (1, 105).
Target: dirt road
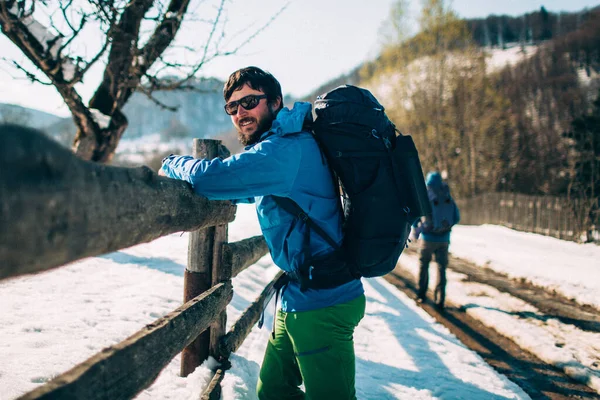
(539, 379)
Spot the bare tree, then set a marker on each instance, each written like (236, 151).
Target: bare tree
(584, 171)
(136, 45)
(418, 76)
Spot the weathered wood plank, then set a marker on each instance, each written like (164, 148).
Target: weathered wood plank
(123, 370)
(213, 390)
(240, 255)
(56, 208)
(235, 337)
(220, 273)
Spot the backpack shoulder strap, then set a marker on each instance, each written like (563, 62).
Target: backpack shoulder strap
(293, 208)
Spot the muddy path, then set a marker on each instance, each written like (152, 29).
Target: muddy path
(537, 378)
(550, 303)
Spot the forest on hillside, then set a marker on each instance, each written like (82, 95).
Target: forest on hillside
(532, 27)
(532, 127)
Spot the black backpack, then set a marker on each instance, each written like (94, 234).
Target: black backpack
(443, 212)
(382, 185)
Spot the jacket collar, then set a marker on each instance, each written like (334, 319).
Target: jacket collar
(290, 121)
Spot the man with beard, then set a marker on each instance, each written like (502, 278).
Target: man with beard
(312, 338)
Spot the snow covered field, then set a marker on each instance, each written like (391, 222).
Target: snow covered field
(569, 268)
(52, 321)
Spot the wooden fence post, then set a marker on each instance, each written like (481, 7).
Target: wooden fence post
(198, 274)
(544, 215)
(221, 272)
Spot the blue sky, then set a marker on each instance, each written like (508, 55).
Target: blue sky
(311, 42)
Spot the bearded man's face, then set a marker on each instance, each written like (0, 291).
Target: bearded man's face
(251, 124)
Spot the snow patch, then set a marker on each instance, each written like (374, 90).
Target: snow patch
(586, 76)
(68, 69)
(498, 58)
(395, 89)
(102, 120)
(43, 36)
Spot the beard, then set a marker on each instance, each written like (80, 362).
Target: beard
(263, 125)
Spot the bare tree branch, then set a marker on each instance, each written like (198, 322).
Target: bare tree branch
(129, 67)
(207, 58)
(124, 41)
(163, 35)
(160, 84)
(20, 27)
(63, 9)
(30, 75)
(153, 99)
(17, 30)
(74, 31)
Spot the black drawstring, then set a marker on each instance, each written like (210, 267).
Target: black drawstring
(305, 273)
(278, 294)
(279, 287)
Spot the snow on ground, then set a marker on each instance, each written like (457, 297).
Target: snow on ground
(137, 151)
(539, 259)
(396, 88)
(498, 58)
(569, 268)
(52, 321)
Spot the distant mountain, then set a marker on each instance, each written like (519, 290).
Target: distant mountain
(10, 113)
(199, 113)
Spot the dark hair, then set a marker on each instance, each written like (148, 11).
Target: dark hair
(257, 79)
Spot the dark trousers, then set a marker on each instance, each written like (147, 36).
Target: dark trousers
(428, 250)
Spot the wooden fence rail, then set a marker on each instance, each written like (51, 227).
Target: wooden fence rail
(240, 255)
(56, 208)
(123, 370)
(238, 333)
(547, 215)
(240, 330)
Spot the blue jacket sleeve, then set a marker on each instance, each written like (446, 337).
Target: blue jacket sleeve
(268, 168)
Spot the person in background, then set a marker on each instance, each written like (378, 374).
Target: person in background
(312, 339)
(435, 236)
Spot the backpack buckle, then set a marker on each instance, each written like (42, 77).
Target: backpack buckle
(303, 217)
(387, 143)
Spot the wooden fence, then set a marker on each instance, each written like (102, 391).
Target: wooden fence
(551, 216)
(56, 208)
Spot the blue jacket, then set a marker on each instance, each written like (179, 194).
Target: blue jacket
(434, 179)
(286, 162)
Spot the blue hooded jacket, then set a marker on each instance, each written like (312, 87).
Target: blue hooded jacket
(434, 179)
(286, 162)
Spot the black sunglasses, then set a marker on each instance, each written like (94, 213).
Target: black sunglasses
(248, 102)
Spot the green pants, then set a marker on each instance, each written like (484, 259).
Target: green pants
(314, 347)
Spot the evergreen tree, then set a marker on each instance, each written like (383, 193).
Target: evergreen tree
(584, 169)
(546, 24)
